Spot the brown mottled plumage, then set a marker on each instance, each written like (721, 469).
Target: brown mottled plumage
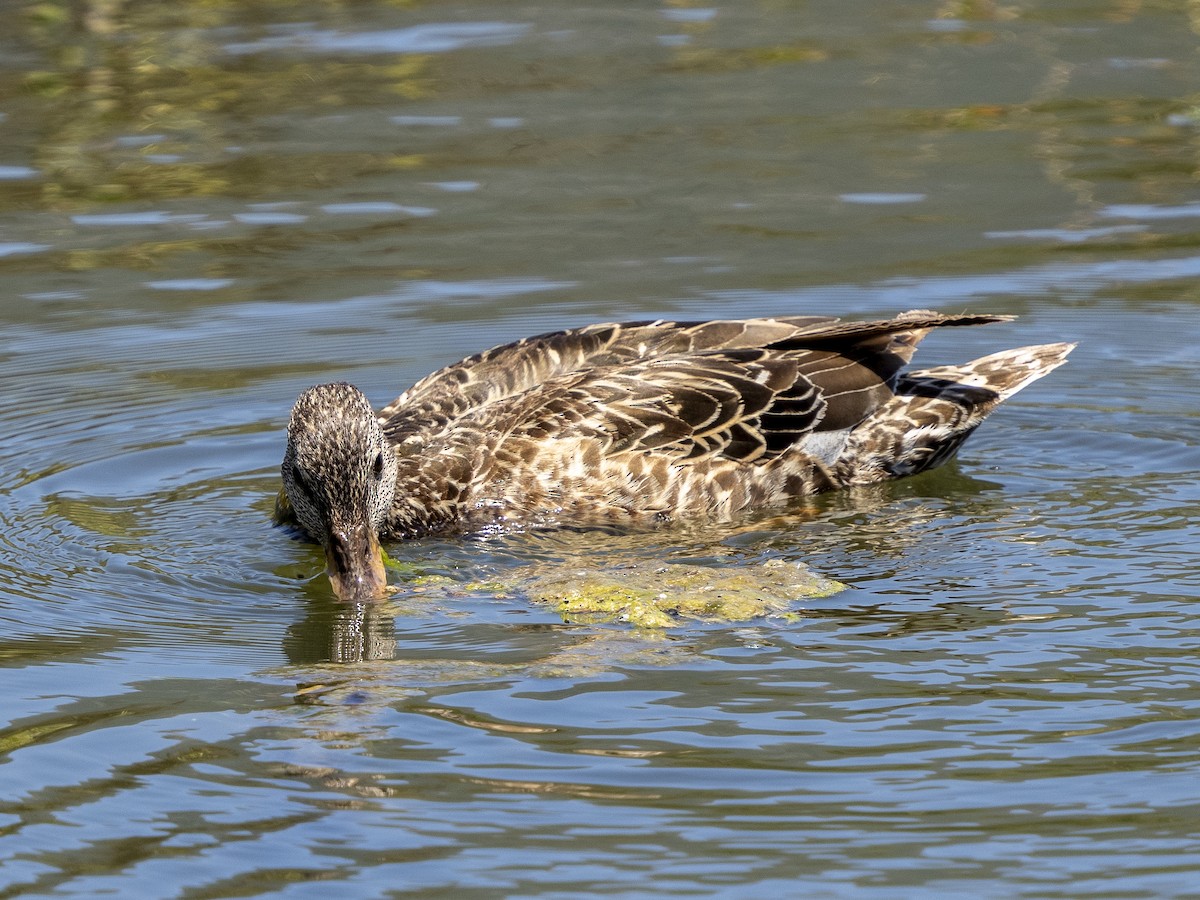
(634, 423)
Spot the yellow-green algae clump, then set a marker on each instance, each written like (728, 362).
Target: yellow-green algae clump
(660, 595)
(655, 594)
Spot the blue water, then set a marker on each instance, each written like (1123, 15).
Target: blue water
(204, 210)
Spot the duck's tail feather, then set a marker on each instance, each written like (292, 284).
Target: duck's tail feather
(935, 410)
(1004, 373)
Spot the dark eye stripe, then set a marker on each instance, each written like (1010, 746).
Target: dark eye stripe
(378, 466)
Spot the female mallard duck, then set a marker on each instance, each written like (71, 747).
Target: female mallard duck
(633, 423)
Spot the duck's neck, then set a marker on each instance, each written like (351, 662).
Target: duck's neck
(434, 487)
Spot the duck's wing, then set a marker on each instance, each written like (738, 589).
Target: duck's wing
(712, 403)
(806, 390)
(513, 369)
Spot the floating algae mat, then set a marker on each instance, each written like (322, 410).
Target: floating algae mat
(660, 595)
(653, 594)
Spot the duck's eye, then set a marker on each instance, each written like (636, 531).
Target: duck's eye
(378, 466)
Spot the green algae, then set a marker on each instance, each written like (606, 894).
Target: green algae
(647, 594)
(659, 595)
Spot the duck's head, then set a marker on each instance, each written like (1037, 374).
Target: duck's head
(339, 473)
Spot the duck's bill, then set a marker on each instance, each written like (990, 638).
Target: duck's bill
(354, 562)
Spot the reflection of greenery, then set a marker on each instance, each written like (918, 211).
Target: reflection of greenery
(159, 70)
(977, 11)
(16, 738)
(119, 521)
(387, 678)
(689, 59)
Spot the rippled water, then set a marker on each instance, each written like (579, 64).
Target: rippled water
(205, 208)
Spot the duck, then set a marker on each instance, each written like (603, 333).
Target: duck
(633, 424)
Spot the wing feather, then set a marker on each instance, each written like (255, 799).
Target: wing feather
(742, 390)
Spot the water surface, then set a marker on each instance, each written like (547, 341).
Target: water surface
(206, 208)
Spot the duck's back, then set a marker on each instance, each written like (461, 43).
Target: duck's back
(643, 421)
